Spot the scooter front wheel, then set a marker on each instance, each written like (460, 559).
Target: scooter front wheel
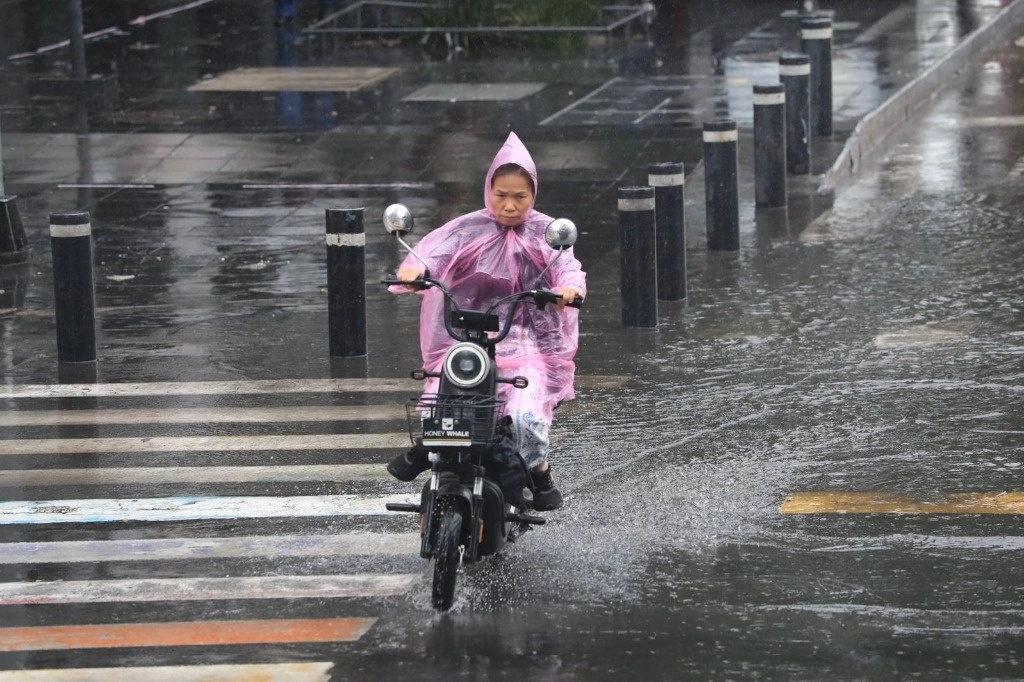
(446, 559)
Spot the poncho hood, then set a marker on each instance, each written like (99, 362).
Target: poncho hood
(513, 151)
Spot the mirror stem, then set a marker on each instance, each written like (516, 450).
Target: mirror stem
(426, 268)
(536, 282)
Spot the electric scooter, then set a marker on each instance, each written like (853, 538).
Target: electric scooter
(465, 514)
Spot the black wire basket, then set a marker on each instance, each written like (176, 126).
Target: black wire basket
(453, 420)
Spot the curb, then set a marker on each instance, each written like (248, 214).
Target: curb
(869, 133)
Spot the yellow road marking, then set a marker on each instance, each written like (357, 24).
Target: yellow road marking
(893, 503)
(202, 633)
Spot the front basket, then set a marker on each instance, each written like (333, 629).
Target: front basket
(439, 420)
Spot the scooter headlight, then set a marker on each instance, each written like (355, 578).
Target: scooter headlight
(466, 365)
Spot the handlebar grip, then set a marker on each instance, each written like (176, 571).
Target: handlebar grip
(545, 296)
(418, 284)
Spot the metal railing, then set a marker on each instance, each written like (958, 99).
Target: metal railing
(382, 18)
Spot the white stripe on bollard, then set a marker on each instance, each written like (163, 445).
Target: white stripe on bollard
(769, 99)
(795, 69)
(636, 204)
(71, 230)
(673, 180)
(721, 135)
(343, 239)
(816, 33)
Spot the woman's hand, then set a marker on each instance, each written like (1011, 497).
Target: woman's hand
(409, 274)
(568, 295)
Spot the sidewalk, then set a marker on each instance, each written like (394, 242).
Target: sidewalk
(207, 205)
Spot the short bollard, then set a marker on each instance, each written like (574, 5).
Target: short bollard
(668, 180)
(74, 291)
(795, 74)
(721, 185)
(346, 282)
(816, 43)
(637, 239)
(770, 146)
(14, 247)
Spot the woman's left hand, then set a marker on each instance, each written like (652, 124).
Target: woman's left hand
(568, 295)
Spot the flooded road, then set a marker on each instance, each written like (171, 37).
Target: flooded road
(868, 361)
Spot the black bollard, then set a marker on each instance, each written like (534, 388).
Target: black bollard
(74, 292)
(795, 74)
(770, 146)
(816, 43)
(14, 247)
(637, 257)
(346, 282)
(668, 180)
(721, 185)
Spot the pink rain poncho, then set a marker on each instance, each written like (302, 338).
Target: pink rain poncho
(481, 261)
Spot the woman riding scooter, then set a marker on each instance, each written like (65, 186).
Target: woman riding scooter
(484, 256)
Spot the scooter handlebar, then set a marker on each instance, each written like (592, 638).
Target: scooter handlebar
(418, 284)
(545, 296)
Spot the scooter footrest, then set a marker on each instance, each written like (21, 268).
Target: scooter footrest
(527, 518)
(402, 507)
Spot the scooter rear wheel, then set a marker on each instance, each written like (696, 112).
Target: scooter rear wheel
(446, 560)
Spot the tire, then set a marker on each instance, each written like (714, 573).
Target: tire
(446, 559)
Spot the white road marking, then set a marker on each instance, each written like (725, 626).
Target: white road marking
(172, 549)
(78, 446)
(201, 415)
(265, 672)
(194, 508)
(176, 388)
(335, 473)
(201, 589)
(256, 387)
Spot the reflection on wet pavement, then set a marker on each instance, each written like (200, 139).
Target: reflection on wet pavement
(876, 352)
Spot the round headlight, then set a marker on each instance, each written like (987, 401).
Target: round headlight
(466, 365)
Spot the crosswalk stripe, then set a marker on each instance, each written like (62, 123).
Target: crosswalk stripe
(255, 387)
(200, 589)
(335, 473)
(888, 503)
(180, 388)
(225, 672)
(77, 446)
(197, 633)
(194, 508)
(200, 415)
(172, 549)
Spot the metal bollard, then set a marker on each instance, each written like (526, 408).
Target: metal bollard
(14, 246)
(346, 282)
(816, 43)
(637, 242)
(770, 146)
(668, 180)
(74, 291)
(795, 74)
(721, 185)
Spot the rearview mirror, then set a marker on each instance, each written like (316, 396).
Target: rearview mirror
(560, 233)
(398, 219)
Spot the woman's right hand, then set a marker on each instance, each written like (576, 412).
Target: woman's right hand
(409, 274)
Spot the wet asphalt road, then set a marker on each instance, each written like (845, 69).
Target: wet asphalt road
(877, 350)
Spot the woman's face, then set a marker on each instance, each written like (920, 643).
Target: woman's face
(511, 198)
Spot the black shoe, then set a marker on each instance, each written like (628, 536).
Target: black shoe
(409, 465)
(545, 495)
